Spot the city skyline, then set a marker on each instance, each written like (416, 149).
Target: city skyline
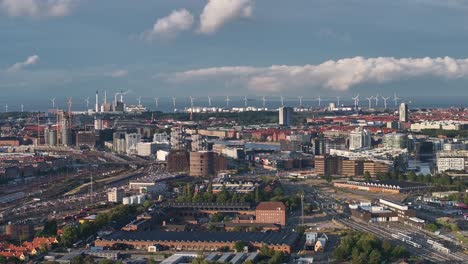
(165, 48)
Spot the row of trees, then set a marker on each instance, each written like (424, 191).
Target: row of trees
(72, 233)
(224, 196)
(366, 248)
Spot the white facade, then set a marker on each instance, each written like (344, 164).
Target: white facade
(161, 137)
(285, 116)
(162, 155)
(135, 199)
(131, 142)
(445, 164)
(146, 148)
(404, 114)
(359, 139)
(115, 195)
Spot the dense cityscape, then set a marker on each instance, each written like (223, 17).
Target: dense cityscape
(233, 131)
(235, 185)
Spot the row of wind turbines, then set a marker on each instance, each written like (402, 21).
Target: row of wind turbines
(319, 99)
(372, 101)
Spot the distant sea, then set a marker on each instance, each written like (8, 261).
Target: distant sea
(166, 105)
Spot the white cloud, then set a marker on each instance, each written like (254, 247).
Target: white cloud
(335, 75)
(31, 60)
(171, 25)
(38, 8)
(119, 73)
(216, 13)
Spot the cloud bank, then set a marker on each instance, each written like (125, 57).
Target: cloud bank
(216, 13)
(171, 25)
(31, 60)
(37, 8)
(119, 73)
(339, 75)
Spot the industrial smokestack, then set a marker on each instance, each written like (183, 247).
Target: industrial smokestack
(97, 102)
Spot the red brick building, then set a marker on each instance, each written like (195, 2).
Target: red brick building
(271, 213)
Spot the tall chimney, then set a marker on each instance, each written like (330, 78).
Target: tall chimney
(97, 102)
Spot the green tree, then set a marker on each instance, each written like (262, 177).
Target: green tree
(239, 246)
(432, 227)
(412, 176)
(88, 259)
(386, 247)
(102, 219)
(277, 258)
(69, 235)
(257, 195)
(217, 217)
(278, 191)
(367, 176)
(147, 204)
(375, 257)
(399, 252)
(107, 261)
(50, 228)
(223, 195)
(77, 259)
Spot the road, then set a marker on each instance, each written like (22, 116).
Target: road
(382, 230)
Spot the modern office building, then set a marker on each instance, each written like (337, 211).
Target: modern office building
(118, 142)
(285, 116)
(395, 141)
(86, 138)
(359, 138)
(404, 112)
(131, 142)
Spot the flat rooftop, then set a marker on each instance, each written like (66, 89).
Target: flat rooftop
(269, 238)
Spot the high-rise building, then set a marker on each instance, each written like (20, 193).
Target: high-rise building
(118, 143)
(395, 141)
(86, 138)
(115, 195)
(177, 138)
(404, 113)
(359, 138)
(285, 116)
(202, 163)
(198, 143)
(131, 142)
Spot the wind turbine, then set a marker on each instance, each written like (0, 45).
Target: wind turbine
(385, 101)
(300, 100)
(209, 100)
(192, 99)
(376, 100)
(282, 100)
(245, 101)
(22, 108)
(174, 101)
(6, 108)
(319, 99)
(139, 101)
(156, 101)
(338, 100)
(395, 99)
(87, 103)
(370, 101)
(264, 101)
(227, 101)
(356, 101)
(53, 102)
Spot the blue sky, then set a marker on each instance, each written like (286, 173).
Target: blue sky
(87, 45)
